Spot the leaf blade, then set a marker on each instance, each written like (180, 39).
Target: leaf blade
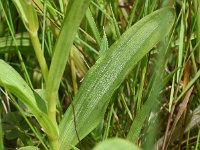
(12, 81)
(116, 144)
(75, 12)
(109, 72)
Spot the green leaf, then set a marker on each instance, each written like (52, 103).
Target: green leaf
(153, 89)
(11, 125)
(13, 82)
(116, 144)
(109, 72)
(75, 12)
(93, 26)
(29, 148)
(104, 44)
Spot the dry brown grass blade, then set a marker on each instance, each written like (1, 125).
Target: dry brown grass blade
(182, 108)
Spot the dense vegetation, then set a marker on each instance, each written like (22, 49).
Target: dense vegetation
(99, 74)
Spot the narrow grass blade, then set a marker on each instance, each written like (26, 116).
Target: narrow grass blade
(93, 26)
(198, 139)
(75, 12)
(116, 144)
(181, 44)
(115, 24)
(198, 32)
(182, 107)
(132, 13)
(109, 72)
(1, 135)
(105, 135)
(153, 90)
(14, 83)
(104, 44)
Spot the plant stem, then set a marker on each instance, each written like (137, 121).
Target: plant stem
(55, 145)
(39, 54)
(54, 142)
(198, 31)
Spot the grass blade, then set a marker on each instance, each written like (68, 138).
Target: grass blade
(155, 86)
(108, 73)
(198, 31)
(182, 107)
(1, 135)
(75, 12)
(93, 27)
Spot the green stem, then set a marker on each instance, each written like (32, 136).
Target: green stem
(198, 32)
(55, 145)
(39, 54)
(54, 142)
(52, 108)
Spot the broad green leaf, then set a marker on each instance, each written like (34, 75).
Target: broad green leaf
(13, 82)
(109, 72)
(75, 12)
(116, 144)
(29, 148)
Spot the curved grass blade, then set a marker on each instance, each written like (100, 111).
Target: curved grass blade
(14, 83)
(109, 72)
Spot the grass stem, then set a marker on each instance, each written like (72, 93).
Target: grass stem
(39, 54)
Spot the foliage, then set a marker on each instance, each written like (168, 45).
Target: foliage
(76, 72)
